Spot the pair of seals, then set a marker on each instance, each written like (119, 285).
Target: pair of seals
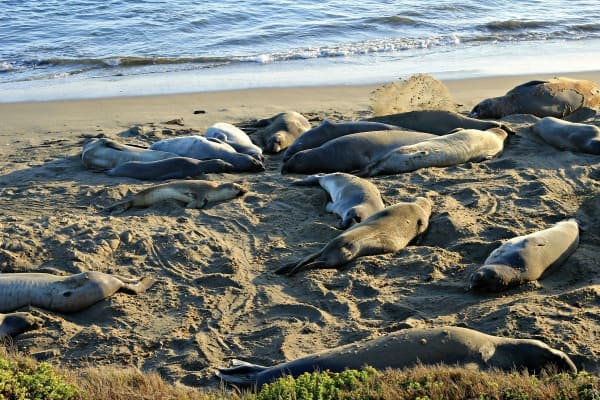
(352, 198)
(557, 97)
(63, 293)
(235, 137)
(407, 348)
(525, 258)
(459, 147)
(386, 231)
(105, 153)
(171, 168)
(18, 322)
(194, 193)
(584, 138)
(279, 131)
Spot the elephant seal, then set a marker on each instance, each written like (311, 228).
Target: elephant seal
(328, 130)
(352, 198)
(556, 97)
(235, 137)
(171, 168)
(194, 193)
(459, 147)
(386, 231)
(279, 131)
(63, 293)
(202, 148)
(351, 152)
(525, 258)
(438, 122)
(407, 348)
(584, 138)
(105, 154)
(16, 323)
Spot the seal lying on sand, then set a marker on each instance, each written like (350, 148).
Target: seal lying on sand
(18, 322)
(584, 138)
(407, 348)
(235, 137)
(202, 148)
(557, 97)
(352, 198)
(63, 293)
(328, 130)
(525, 258)
(459, 147)
(194, 193)
(386, 231)
(279, 131)
(171, 168)
(106, 153)
(351, 152)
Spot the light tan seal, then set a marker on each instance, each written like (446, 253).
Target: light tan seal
(106, 153)
(18, 322)
(525, 258)
(279, 132)
(386, 231)
(565, 135)
(408, 348)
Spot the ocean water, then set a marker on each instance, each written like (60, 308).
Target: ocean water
(91, 48)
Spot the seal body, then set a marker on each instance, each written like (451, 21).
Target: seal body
(584, 138)
(105, 153)
(170, 168)
(525, 258)
(409, 347)
(386, 231)
(280, 131)
(352, 198)
(235, 137)
(202, 148)
(351, 152)
(194, 193)
(63, 293)
(455, 148)
(18, 322)
(557, 97)
(328, 130)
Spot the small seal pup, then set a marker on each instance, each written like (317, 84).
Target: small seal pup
(525, 258)
(583, 138)
(352, 198)
(63, 293)
(105, 154)
(16, 323)
(329, 130)
(386, 231)
(194, 193)
(351, 152)
(556, 97)
(279, 131)
(409, 347)
(235, 137)
(459, 147)
(171, 168)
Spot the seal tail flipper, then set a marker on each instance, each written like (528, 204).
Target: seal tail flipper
(309, 181)
(126, 204)
(240, 373)
(136, 287)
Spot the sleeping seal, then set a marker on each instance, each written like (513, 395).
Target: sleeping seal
(235, 137)
(459, 147)
(525, 258)
(106, 153)
(352, 198)
(279, 131)
(584, 138)
(171, 168)
(16, 323)
(63, 293)
(407, 348)
(386, 231)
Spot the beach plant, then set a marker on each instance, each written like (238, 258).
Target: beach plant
(23, 381)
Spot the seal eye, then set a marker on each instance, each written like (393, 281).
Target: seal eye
(67, 294)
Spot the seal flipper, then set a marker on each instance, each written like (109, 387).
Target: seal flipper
(136, 287)
(241, 373)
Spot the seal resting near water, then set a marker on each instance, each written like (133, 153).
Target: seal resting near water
(194, 193)
(171, 168)
(525, 258)
(386, 231)
(235, 137)
(459, 147)
(18, 322)
(407, 348)
(352, 198)
(63, 293)
(106, 153)
(565, 135)
(556, 97)
(280, 131)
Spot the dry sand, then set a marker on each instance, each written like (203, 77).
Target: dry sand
(216, 297)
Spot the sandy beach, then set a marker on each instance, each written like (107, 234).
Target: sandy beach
(216, 297)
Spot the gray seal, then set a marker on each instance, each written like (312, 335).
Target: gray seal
(16, 323)
(386, 231)
(171, 168)
(352, 198)
(565, 135)
(235, 137)
(525, 258)
(63, 293)
(280, 131)
(103, 154)
(408, 348)
(351, 152)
